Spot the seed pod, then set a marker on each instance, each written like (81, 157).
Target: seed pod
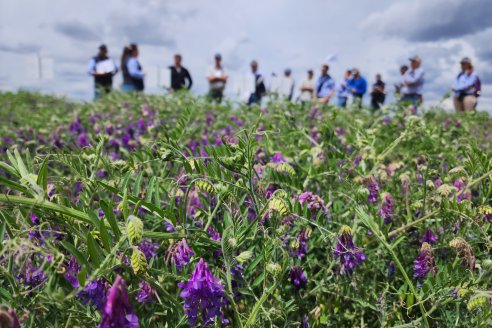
(138, 261)
(206, 186)
(278, 205)
(477, 302)
(134, 229)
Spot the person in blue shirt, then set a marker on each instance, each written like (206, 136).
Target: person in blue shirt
(343, 91)
(357, 86)
(133, 75)
(102, 68)
(325, 86)
(465, 87)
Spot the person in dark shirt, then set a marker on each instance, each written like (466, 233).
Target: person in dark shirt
(259, 87)
(102, 68)
(377, 94)
(180, 77)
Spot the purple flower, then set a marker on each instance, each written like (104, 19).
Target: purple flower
(373, 188)
(8, 319)
(145, 293)
(117, 311)
(386, 210)
(297, 277)
(83, 141)
(148, 248)
(302, 238)
(349, 254)
(179, 254)
(429, 237)
(93, 293)
(391, 270)
(424, 262)
(314, 203)
(203, 294)
(31, 275)
(169, 227)
(278, 158)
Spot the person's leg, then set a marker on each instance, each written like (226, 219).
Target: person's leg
(469, 103)
(458, 105)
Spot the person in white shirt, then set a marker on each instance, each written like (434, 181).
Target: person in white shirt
(285, 87)
(102, 68)
(343, 90)
(400, 88)
(307, 88)
(413, 80)
(217, 78)
(465, 87)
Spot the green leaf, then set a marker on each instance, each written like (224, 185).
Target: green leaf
(93, 250)
(109, 215)
(259, 279)
(43, 174)
(81, 258)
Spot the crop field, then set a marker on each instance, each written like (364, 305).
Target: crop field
(151, 211)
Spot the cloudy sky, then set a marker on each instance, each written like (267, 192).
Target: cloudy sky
(377, 36)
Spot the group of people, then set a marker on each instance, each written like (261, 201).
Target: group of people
(466, 86)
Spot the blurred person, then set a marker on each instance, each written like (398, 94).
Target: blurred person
(285, 86)
(102, 68)
(357, 86)
(465, 87)
(180, 77)
(217, 78)
(343, 91)
(307, 88)
(378, 94)
(133, 75)
(413, 81)
(259, 85)
(325, 86)
(400, 88)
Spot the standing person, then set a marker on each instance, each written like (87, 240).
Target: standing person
(400, 88)
(343, 91)
(465, 87)
(325, 86)
(133, 75)
(259, 81)
(378, 94)
(103, 69)
(307, 88)
(217, 78)
(180, 77)
(285, 88)
(357, 86)
(413, 81)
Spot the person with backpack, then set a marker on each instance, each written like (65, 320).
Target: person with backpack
(466, 87)
(133, 75)
(102, 68)
(325, 86)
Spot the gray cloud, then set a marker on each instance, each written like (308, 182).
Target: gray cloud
(21, 48)
(77, 31)
(431, 20)
(145, 30)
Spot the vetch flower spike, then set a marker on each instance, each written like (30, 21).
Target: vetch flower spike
(117, 311)
(349, 254)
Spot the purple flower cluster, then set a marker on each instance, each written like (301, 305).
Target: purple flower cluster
(302, 239)
(349, 254)
(298, 277)
(429, 237)
(314, 203)
(386, 210)
(203, 294)
(148, 248)
(373, 188)
(145, 293)
(179, 254)
(424, 262)
(117, 311)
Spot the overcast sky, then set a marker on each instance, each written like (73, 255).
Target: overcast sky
(376, 36)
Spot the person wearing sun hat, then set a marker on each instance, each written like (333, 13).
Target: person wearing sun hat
(465, 87)
(413, 81)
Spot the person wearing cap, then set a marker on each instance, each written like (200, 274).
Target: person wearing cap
(285, 87)
(217, 78)
(413, 81)
(325, 86)
(180, 77)
(133, 75)
(343, 91)
(465, 87)
(307, 88)
(259, 85)
(102, 68)
(357, 86)
(378, 94)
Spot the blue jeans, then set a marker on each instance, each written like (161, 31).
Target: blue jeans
(128, 87)
(342, 102)
(413, 99)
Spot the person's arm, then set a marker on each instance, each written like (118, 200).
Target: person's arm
(133, 69)
(190, 81)
(91, 70)
(412, 80)
(116, 69)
